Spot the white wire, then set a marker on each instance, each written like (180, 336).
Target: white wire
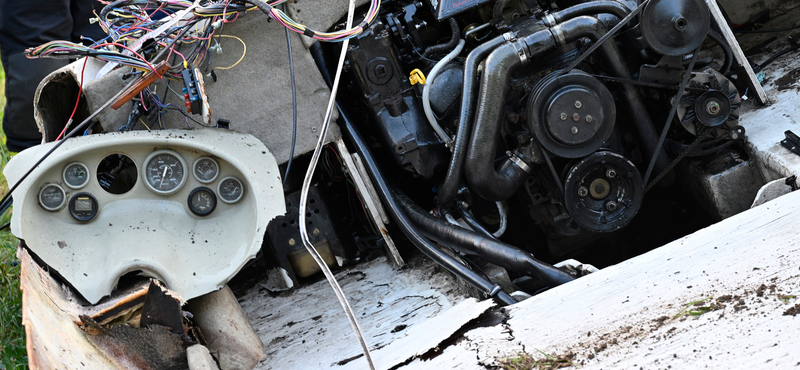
(426, 91)
(503, 220)
(304, 200)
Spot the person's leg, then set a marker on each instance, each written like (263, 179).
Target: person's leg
(23, 24)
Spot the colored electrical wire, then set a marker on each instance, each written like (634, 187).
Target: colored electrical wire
(244, 52)
(336, 36)
(77, 101)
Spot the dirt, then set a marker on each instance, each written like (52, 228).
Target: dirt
(794, 311)
(788, 81)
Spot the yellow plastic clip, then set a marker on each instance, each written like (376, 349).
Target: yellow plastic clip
(417, 77)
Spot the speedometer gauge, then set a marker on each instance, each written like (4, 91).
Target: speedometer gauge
(205, 169)
(76, 175)
(164, 171)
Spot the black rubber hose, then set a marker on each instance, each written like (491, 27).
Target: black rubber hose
(497, 11)
(490, 182)
(471, 243)
(472, 222)
(594, 29)
(592, 8)
(726, 66)
(448, 46)
(449, 190)
(393, 207)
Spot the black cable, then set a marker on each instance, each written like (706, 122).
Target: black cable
(726, 49)
(5, 226)
(760, 67)
(768, 31)
(449, 45)
(294, 104)
(472, 222)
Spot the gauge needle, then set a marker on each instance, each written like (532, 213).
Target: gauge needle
(163, 177)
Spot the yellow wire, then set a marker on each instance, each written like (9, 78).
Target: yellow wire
(145, 125)
(244, 52)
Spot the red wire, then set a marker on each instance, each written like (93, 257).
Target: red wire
(80, 92)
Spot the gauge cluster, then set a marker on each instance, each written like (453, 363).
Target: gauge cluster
(164, 173)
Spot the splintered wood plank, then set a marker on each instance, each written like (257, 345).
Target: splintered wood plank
(723, 297)
(49, 313)
(306, 328)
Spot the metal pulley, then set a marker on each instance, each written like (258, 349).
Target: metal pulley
(675, 27)
(571, 115)
(603, 192)
(718, 105)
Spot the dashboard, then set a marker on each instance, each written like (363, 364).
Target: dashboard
(207, 185)
(187, 207)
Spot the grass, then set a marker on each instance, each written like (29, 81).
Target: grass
(525, 361)
(12, 333)
(695, 308)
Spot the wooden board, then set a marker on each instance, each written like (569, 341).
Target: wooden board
(628, 316)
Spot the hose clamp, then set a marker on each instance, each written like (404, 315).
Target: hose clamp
(508, 36)
(558, 33)
(549, 20)
(495, 290)
(519, 45)
(515, 158)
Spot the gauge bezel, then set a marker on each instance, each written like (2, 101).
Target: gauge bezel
(80, 216)
(194, 166)
(219, 190)
(64, 175)
(63, 200)
(199, 212)
(147, 163)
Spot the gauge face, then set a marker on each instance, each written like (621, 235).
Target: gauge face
(83, 207)
(52, 197)
(205, 169)
(164, 172)
(230, 189)
(76, 175)
(202, 201)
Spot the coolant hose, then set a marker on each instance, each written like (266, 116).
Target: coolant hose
(449, 45)
(393, 207)
(493, 251)
(484, 178)
(426, 91)
(449, 189)
(589, 8)
(726, 49)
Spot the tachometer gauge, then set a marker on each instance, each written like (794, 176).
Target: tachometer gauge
(202, 201)
(76, 175)
(164, 172)
(52, 197)
(205, 169)
(230, 189)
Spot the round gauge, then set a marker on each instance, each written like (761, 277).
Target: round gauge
(76, 175)
(230, 189)
(205, 169)
(164, 171)
(83, 207)
(52, 197)
(202, 201)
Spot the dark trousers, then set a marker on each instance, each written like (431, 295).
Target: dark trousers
(27, 23)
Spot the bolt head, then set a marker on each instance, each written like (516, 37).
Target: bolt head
(589, 119)
(315, 232)
(610, 173)
(563, 116)
(583, 191)
(574, 130)
(712, 107)
(578, 104)
(292, 242)
(576, 117)
(611, 206)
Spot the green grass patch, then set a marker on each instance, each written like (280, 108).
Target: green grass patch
(525, 361)
(12, 333)
(695, 308)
